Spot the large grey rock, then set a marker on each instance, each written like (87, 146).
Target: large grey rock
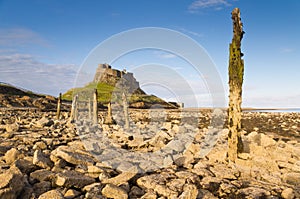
(11, 183)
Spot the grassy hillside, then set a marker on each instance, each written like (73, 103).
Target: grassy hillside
(10, 90)
(108, 93)
(104, 92)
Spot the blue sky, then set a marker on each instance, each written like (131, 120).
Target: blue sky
(44, 43)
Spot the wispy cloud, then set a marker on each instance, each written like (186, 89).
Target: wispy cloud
(19, 37)
(287, 50)
(26, 71)
(191, 32)
(200, 4)
(164, 55)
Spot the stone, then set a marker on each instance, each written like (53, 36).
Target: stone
(149, 195)
(72, 179)
(121, 178)
(211, 183)
(252, 192)
(11, 155)
(113, 191)
(44, 122)
(288, 193)
(156, 182)
(41, 187)
(71, 193)
(190, 191)
(42, 175)
(12, 128)
(291, 178)
(136, 192)
(25, 165)
(41, 160)
(266, 141)
(205, 194)
(39, 145)
(53, 194)
(223, 172)
(11, 184)
(72, 156)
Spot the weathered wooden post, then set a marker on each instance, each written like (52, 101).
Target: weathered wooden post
(109, 119)
(58, 107)
(125, 110)
(90, 109)
(73, 115)
(95, 107)
(236, 73)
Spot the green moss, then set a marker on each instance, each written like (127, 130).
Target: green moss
(106, 94)
(236, 65)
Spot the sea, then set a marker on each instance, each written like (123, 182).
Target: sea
(279, 110)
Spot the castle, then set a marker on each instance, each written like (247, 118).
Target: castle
(106, 74)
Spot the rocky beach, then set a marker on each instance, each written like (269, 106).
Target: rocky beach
(45, 157)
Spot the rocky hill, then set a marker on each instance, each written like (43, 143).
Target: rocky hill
(111, 83)
(13, 97)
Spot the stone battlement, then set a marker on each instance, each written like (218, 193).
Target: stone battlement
(105, 73)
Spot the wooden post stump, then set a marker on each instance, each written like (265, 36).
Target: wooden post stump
(95, 107)
(125, 110)
(58, 107)
(74, 115)
(236, 73)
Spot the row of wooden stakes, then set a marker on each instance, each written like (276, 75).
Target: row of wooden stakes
(93, 110)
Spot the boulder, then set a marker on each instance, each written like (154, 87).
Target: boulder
(73, 156)
(11, 155)
(41, 160)
(72, 179)
(11, 128)
(292, 178)
(121, 178)
(288, 193)
(253, 192)
(11, 184)
(53, 194)
(113, 191)
(44, 122)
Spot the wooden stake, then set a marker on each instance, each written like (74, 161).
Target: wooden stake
(95, 107)
(73, 109)
(236, 73)
(58, 107)
(125, 109)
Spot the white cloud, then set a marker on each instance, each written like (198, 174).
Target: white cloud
(164, 55)
(287, 50)
(200, 4)
(191, 32)
(23, 70)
